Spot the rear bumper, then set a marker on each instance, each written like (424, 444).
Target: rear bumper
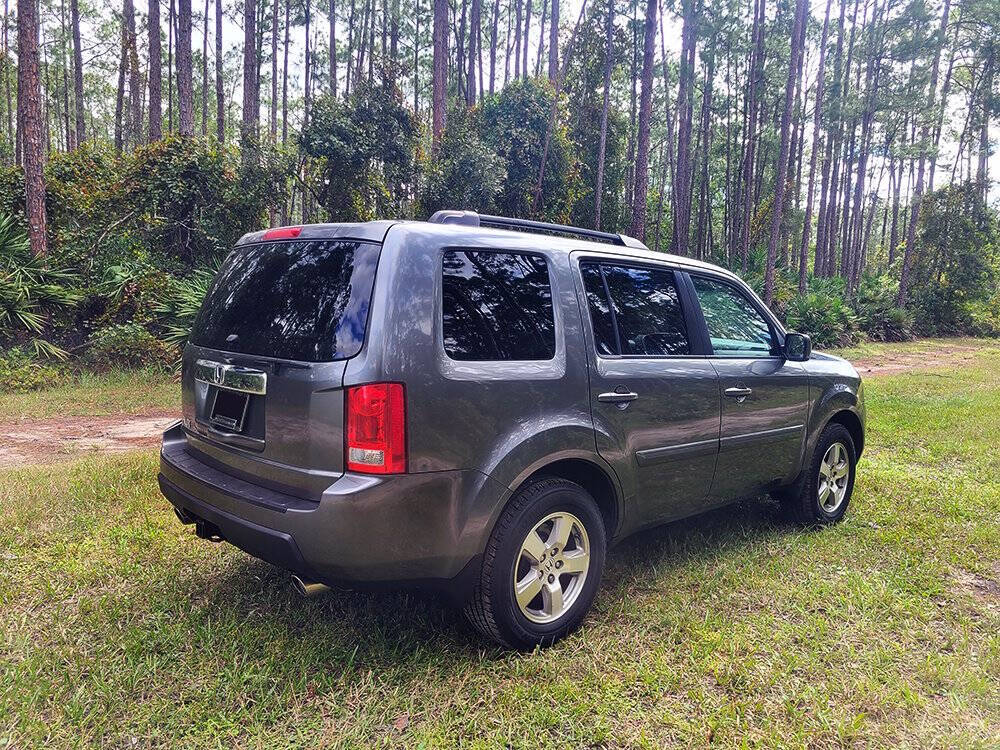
(425, 529)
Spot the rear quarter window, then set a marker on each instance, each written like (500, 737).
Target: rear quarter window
(497, 306)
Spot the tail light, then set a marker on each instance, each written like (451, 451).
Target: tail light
(376, 428)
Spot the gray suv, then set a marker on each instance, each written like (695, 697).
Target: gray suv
(484, 404)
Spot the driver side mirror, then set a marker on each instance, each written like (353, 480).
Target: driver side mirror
(798, 347)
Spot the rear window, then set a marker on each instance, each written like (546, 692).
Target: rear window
(497, 306)
(301, 300)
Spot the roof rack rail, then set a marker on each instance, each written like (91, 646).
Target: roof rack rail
(473, 219)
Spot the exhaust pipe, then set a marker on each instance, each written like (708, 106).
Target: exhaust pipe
(308, 589)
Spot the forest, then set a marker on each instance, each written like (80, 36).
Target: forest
(835, 154)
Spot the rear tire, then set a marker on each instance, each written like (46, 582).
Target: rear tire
(822, 494)
(542, 566)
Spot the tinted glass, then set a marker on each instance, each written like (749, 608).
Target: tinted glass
(647, 311)
(735, 326)
(600, 310)
(303, 300)
(497, 306)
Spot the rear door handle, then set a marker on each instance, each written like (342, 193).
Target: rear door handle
(739, 393)
(618, 398)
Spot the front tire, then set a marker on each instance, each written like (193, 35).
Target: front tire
(542, 566)
(823, 493)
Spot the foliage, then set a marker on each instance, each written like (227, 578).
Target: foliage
(127, 346)
(878, 316)
(585, 97)
(514, 124)
(827, 318)
(365, 146)
(172, 204)
(30, 292)
(179, 306)
(957, 263)
(467, 173)
(21, 370)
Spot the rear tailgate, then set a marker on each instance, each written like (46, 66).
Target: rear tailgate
(263, 374)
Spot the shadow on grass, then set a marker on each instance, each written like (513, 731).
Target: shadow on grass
(348, 630)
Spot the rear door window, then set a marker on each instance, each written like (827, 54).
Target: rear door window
(497, 306)
(635, 311)
(299, 300)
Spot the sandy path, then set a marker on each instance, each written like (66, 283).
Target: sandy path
(49, 440)
(949, 355)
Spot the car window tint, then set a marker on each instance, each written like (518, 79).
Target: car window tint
(600, 309)
(735, 327)
(646, 310)
(300, 300)
(497, 306)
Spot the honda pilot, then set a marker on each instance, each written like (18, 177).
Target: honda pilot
(484, 405)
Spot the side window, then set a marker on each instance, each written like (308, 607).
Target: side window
(497, 306)
(644, 307)
(600, 309)
(735, 327)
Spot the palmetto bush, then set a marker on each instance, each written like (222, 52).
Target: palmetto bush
(179, 307)
(30, 291)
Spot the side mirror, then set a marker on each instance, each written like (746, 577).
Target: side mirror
(798, 347)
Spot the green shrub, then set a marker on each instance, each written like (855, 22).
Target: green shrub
(827, 319)
(30, 292)
(179, 307)
(20, 371)
(127, 346)
(878, 316)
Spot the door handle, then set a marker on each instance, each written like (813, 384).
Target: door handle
(740, 393)
(617, 398)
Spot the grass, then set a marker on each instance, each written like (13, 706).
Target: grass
(96, 395)
(120, 629)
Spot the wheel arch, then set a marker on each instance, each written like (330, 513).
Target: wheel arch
(599, 481)
(852, 422)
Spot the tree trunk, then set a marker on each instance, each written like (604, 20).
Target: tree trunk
(609, 35)
(220, 99)
(541, 37)
(185, 81)
(527, 38)
(798, 39)
(70, 134)
(29, 117)
(120, 92)
(470, 83)
(493, 45)
(171, 28)
(5, 72)
(155, 71)
(685, 107)
(251, 93)
(273, 114)
(333, 43)
(816, 144)
(440, 81)
(554, 41)
(638, 227)
(911, 234)
(750, 128)
(284, 83)
(204, 72)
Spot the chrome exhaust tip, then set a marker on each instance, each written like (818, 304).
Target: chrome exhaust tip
(308, 589)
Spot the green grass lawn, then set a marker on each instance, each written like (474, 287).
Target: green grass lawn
(97, 395)
(120, 629)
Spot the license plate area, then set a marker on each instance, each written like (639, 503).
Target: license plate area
(229, 409)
